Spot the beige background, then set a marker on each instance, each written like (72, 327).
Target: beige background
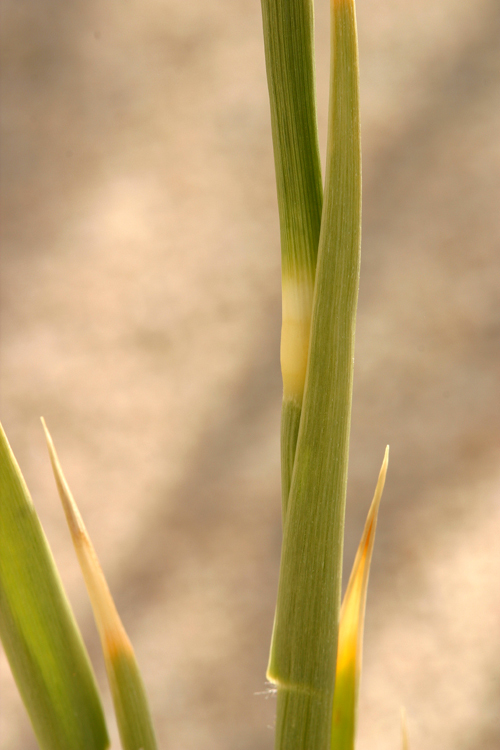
(141, 314)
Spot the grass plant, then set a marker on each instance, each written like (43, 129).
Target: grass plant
(317, 360)
(315, 656)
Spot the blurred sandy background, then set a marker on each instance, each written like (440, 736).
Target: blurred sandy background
(141, 316)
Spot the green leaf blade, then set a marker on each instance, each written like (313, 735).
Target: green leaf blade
(130, 702)
(40, 637)
(289, 42)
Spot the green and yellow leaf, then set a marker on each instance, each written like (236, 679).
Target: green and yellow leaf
(127, 688)
(39, 634)
(352, 616)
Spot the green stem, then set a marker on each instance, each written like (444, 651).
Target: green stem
(289, 41)
(304, 647)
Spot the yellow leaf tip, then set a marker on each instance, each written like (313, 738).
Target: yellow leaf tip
(385, 462)
(73, 517)
(382, 474)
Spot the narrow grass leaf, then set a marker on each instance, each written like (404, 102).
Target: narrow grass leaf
(352, 616)
(39, 634)
(304, 646)
(127, 688)
(289, 43)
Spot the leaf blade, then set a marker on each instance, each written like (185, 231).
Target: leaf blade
(40, 636)
(351, 627)
(127, 688)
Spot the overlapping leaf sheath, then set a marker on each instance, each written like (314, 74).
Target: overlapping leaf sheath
(41, 639)
(288, 38)
(304, 646)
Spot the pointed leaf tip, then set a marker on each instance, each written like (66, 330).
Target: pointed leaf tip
(40, 636)
(71, 511)
(129, 696)
(107, 619)
(352, 617)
